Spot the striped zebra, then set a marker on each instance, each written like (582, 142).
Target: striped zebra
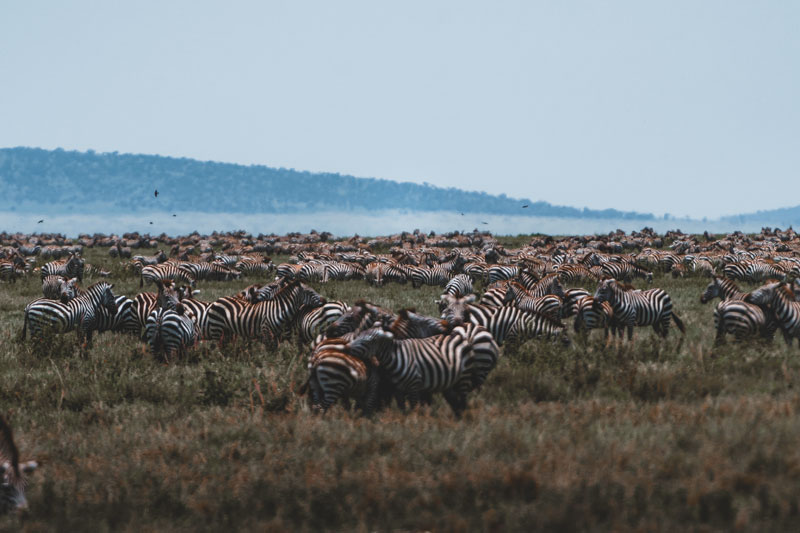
(210, 271)
(68, 268)
(165, 271)
(503, 322)
(336, 376)
(435, 275)
(639, 308)
(520, 298)
(122, 320)
(571, 299)
(287, 270)
(337, 271)
(574, 273)
(781, 302)
(548, 285)
(145, 303)
(753, 271)
(626, 272)
(59, 288)
(315, 320)
(13, 269)
(81, 313)
(501, 272)
(361, 316)
(416, 367)
(410, 325)
(171, 332)
(477, 271)
(230, 316)
(12, 472)
(591, 314)
(145, 260)
(735, 316)
(254, 266)
(460, 285)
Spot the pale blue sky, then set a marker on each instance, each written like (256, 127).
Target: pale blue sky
(690, 107)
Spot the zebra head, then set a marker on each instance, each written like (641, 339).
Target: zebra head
(168, 295)
(712, 291)
(456, 309)
(108, 300)
(68, 290)
(76, 262)
(410, 325)
(605, 290)
(371, 346)
(309, 297)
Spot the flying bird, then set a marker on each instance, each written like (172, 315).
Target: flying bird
(40, 221)
(156, 193)
(173, 214)
(462, 214)
(151, 222)
(525, 206)
(484, 223)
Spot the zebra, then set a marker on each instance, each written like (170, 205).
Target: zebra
(12, 472)
(123, 320)
(734, 315)
(145, 303)
(503, 322)
(335, 375)
(501, 272)
(360, 317)
(145, 260)
(198, 310)
(753, 271)
(626, 272)
(638, 308)
(171, 332)
(410, 325)
(165, 271)
(210, 271)
(574, 273)
(781, 302)
(419, 366)
(231, 316)
(313, 321)
(261, 293)
(253, 266)
(81, 313)
(58, 288)
(68, 268)
(344, 271)
(571, 299)
(517, 296)
(435, 275)
(11, 270)
(477, 271)
(590, 314)
(460, 285)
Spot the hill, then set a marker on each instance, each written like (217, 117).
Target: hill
(32, 179)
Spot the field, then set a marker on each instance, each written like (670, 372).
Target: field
(651, 437)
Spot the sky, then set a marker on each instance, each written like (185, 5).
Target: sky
(681, 107)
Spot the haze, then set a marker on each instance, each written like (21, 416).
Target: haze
(688, 107)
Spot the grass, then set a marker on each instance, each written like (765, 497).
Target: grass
(644, 437)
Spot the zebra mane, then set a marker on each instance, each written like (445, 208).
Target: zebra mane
(787, 290)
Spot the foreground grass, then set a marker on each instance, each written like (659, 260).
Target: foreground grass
(645, 437)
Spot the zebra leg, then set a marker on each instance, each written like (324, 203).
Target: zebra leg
(456, 400)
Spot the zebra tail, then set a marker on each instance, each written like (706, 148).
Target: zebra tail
(678, 322)
(24, 327)
(304, 387)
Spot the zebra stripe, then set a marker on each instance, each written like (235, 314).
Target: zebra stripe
(170, 332)
(639, 308)
(68, 268)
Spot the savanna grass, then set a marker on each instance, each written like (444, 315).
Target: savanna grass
(658, 435)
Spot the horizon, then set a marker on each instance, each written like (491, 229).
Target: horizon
(680, 109)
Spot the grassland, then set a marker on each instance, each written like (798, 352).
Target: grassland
(650, 437)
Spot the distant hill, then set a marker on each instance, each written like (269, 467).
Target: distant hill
(33, 179)
(784, 217)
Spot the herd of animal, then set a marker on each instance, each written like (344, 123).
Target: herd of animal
(375, 356)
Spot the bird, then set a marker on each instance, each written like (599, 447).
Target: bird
(173, 214)
(156, 193)
(12, 474)
(40, 221)
(525, 206)
(462, 214)
(484, 222)
(151, 222)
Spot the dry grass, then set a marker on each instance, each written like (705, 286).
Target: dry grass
(645, 437)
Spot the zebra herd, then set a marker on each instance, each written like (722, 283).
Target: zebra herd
(372, 355)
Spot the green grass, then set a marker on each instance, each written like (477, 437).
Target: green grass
(587, 437)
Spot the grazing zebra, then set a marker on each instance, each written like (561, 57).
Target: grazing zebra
(752, 271)
(335, 375)
(520, 298)
(574, 273)
(123, 320)
(779, 299)
(626, 272)
(735, 316)
(210, 271)
(287, 270)
(198, 310)
(231, 316)
(81, 313)
(503, 322)
(502, 272)
(313, 321)
(171, 332)
(165, 271)
(68, 268)
(261, 293)
(591, 314)
(145, 260)
(549, 284)
(435, 275)
(12, 472)
(638, 308)
(416, 367)
(344, 271)
(459, 286)
(477, 271)
(11, 270)
(254, 266)
(360, 317)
